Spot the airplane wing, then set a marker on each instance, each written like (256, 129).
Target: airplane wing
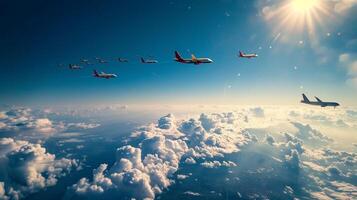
(319, 100)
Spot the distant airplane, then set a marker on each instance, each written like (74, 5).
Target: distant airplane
(192, 60)
(100, 60)
(318, 102)
(148, 61)
(123, 60)
(103, 75)
(85, 61)
(252, 55)
(74, 66)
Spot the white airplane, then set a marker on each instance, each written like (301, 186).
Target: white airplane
(251, 55)
(318, 102)
(100, 60)
(85, 61)
(103, 75)
(74, 66)
(123, 60)
(192, 60)
(148, 61)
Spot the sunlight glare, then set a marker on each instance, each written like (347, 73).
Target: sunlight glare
(303, 6)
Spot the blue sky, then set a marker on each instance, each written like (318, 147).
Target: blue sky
(41, 34)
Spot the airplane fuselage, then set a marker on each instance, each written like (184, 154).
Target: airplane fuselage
(122, 60)
(322, 104)
(149, 61)
(194, 61)
(103, 75)
(248, 56)
(106, 76)
(71, 66)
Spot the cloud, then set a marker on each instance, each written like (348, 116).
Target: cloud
(342, 6)
(28, 168)
(216, 164)
(23, 120)
(43, 125)
(191, 160)
(310, 135)
(32, 125)
(182, 176)
(81, 126)
(345, 57)
(270, 139)
(146, 170)
(257, 112)
(2, 191)
(159, 154)
(350, 65)
(190, 193)
(166, 122)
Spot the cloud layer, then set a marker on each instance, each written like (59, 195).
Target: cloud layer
(146, 167)
(27, 168)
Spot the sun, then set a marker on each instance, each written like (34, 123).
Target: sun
(295, 17)
(304, 6)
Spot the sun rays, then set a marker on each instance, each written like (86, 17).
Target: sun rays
(297, 17)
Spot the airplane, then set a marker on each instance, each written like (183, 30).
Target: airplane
(318, 102)
(148, 61)
(103, 75)
(100, 60)
(74, 66)
(85, 61)
(192, 60)
(123, 60)
(252, 55)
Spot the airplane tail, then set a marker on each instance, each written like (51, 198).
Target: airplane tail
(95, 73)
(241, 54)
(178, 57)
(142, 60)
(305, 98)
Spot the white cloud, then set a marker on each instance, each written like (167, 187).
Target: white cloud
(166, 122)
(182, 176)
(350, 65)
(44, 125)
(342, 6)
(146, 167)
(31, 124)
(216, 164)
(141, 172)
(257, 112)
(2, 191)
(192, 193)
(191, 160)
(345, 57)
(28, 168)
(23, 119)
(81, 125)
